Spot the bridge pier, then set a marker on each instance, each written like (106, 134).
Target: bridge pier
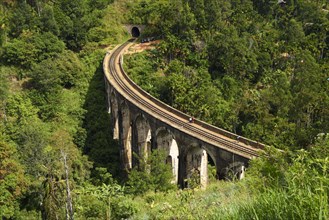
(196, 167)
(125, 135)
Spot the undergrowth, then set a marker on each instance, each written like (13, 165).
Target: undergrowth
(296, 187)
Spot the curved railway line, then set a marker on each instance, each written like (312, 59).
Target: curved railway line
(117, 77)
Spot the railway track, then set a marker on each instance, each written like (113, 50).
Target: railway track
(201, 130)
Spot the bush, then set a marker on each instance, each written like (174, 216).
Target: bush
(123, 208)
(151, 175)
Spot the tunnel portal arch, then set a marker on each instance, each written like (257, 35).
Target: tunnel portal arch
(135, 32)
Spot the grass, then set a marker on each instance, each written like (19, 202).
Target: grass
(234, 200)
(218, 198)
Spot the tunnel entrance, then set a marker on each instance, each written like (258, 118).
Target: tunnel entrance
(135, 32)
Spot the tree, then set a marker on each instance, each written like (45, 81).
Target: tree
(65, 167)
(69, 16)
(98, 201)
(63, 71)
(48, 21)
(30, 48)
(191, 91)
(12, 180)
(4, 92)
(229, 54)
(306, 85)
(52, 81)
(198, 9)
(23, 18)
(19, 111)
(151, 175)
(217, 13)
(3, 24)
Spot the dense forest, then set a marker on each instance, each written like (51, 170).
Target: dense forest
(258, 68)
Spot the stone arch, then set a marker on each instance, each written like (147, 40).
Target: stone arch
(234, 171)
(165, 140)
(142, 137)
(135, 32)
(196, 166)
(113, 109)
(126, 135)
(230, 166)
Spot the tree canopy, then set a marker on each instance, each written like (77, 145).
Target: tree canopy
(258, 68)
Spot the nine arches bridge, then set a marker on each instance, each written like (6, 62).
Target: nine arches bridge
(142, 123)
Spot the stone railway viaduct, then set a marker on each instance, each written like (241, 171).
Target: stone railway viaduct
(142, 123)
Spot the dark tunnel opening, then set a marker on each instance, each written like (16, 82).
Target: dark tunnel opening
(135, 32)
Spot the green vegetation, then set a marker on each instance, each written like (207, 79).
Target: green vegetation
(51, 55)
(151, 175)
(256, 68)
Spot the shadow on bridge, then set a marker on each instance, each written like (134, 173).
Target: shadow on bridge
(96, 139)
